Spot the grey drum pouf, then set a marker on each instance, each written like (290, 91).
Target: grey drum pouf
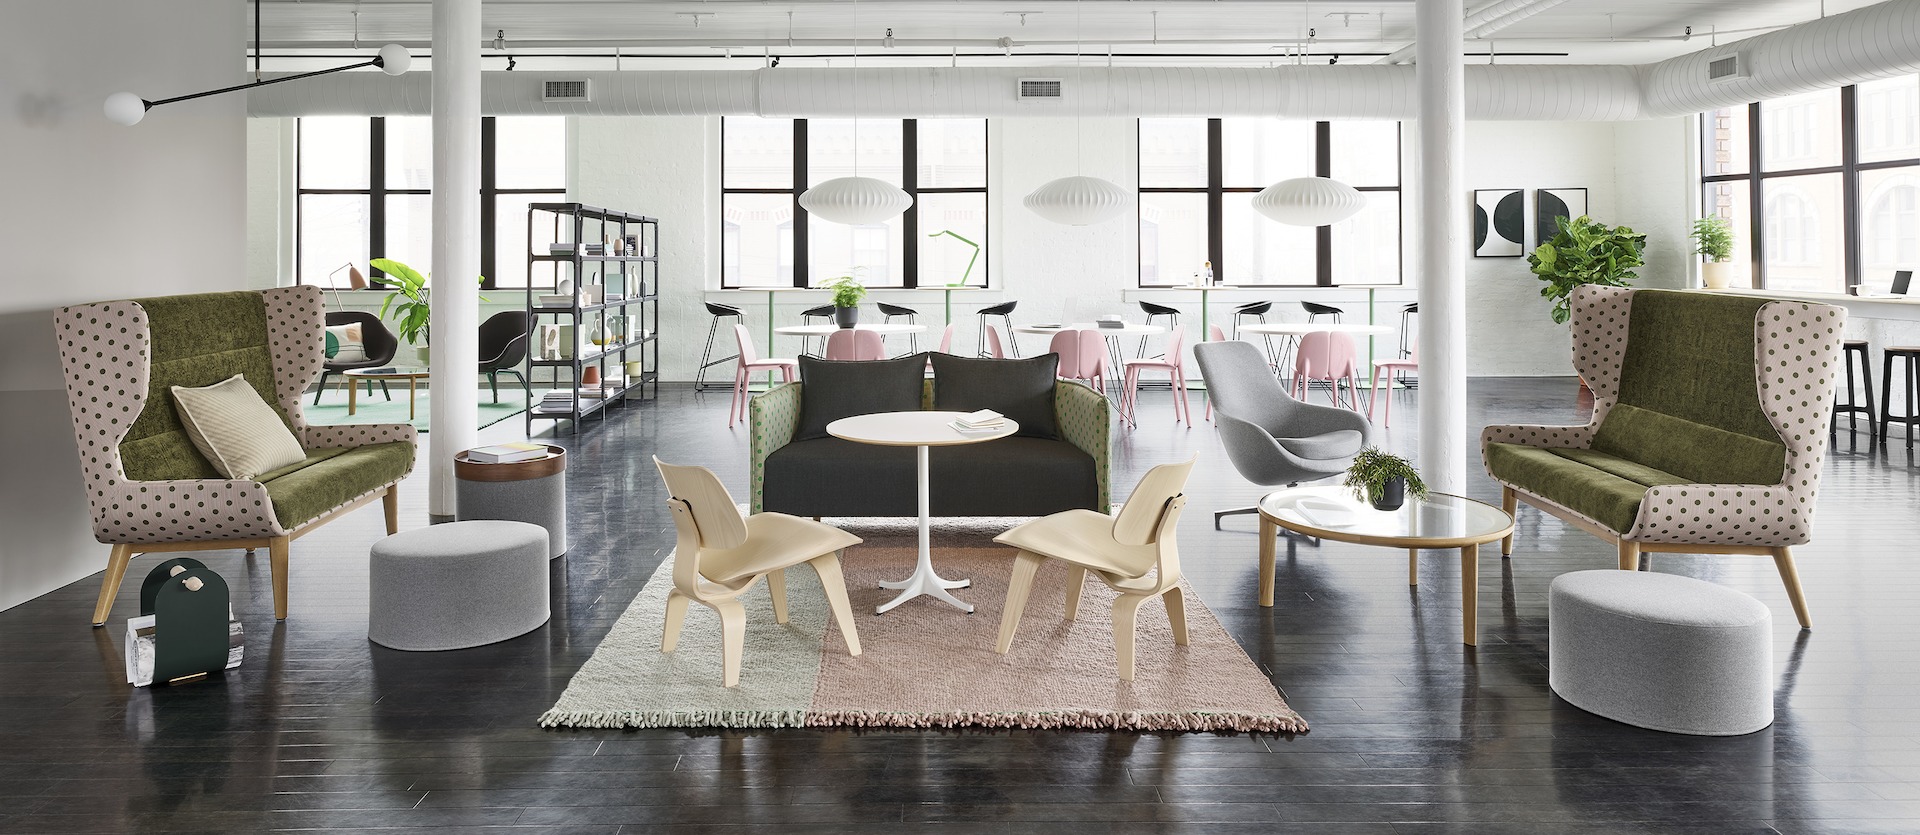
(458, 585)
(1661, 651)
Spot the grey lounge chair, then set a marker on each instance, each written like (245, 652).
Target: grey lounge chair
(1271, 438)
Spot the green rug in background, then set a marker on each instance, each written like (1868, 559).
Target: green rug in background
(375, 408)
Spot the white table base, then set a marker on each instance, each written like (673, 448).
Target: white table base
(924, 582)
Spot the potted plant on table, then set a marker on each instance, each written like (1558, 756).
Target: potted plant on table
(414, 314)
(848, 292)
(1713, 238)
(1585, 251)
(1383, 479)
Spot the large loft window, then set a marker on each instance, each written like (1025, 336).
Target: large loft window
(766, 164)
(366, 184)
(1197, 182)
(1822, 188)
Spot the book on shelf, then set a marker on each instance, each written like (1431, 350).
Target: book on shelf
(508, 453)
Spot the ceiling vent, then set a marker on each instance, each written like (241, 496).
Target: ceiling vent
(1728, 68)
(1041, 90)
(564, 91)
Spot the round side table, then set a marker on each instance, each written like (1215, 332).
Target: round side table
(524, 491)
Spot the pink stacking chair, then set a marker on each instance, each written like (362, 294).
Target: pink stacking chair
(855, 344)
(993, 344)
(946, 340)
(1330, 357)
(750, 362)
(1214, 334)
(1083, 357)
(1390, 368)
(1176, 373)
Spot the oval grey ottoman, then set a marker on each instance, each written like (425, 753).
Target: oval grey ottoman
(1661, 651)
(458, 585)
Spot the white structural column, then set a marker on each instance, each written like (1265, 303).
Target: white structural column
(456, 244)
(1440, 79)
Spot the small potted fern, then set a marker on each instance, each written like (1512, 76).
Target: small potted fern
(1384, 479)
(1713, 238)
(848, 292)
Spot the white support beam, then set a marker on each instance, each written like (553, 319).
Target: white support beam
(456, 245)
(1440, 80)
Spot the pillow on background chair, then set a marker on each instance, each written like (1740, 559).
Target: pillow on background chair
(344, 343)
(235, 429)
(844, 388)
(1021, 389)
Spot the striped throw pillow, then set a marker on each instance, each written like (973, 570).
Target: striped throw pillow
(236, 430)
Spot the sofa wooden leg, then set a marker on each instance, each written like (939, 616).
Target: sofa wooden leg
(1783, 560)
(391, 504)
(277, 553)
(1509, 502)
(1629, 555)
(110, 582)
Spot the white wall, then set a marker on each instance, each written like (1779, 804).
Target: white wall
(96, 211)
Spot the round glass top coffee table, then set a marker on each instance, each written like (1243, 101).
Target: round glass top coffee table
(413, 374)
(920, 430)
(1438, 521)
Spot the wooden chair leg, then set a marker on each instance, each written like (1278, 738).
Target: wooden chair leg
(1269, 533)
(1176, 614)
(1076, 580)
(277, 552)
(1413, 566)
(835, 585)
(1024, 567)
(110, 581)
(777, 589)
(676, 615)
(391, 504)
(733, 639)
(1783, 560)
(1509, 502)
(1126, 610)
(1629, 555)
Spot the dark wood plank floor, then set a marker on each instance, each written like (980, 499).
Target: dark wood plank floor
(1412, 731)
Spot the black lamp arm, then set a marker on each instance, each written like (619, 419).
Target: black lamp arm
(374, 62)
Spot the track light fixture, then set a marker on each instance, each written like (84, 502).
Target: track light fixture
(129, 109)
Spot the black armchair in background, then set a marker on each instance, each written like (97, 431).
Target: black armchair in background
(503, 346)
(380, 344)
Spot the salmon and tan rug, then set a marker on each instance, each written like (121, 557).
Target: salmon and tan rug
(924, 664)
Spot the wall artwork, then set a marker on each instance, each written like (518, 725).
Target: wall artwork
(1551, 203)
(1499, 222)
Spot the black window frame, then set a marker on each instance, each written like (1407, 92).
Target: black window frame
(909, 182)
(1216, 190)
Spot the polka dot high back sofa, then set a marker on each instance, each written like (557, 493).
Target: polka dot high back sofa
(1708, 432)
(149, 487)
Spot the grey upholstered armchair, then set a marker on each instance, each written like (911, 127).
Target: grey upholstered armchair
(1272, 439)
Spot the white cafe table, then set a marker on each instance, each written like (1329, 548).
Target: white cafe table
(1304, 328)
(827, 330)
(1112, 334)
(921, 430)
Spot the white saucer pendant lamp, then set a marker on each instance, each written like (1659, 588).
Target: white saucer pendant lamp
(1309, 201)
(855, 201)
(1077, 201)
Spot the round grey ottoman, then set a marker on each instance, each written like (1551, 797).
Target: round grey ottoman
(458, 585)
(524, 491)
(1661, 651)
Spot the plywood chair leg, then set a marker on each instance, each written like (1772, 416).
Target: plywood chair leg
(1509, 502)
(110, 581)
(1126, 610)
(277, 554)
(391, 504)
(676, 615)
(1177, 614)
(1024, 567)
(1269, 534)
(777, 589)
(1783, 560)
(835, 585)
(1629, 555)
(733, 639)
(1076, 580)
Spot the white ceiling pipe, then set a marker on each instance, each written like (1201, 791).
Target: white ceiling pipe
(1479, 22)
(1510, 19)
(1878, 41)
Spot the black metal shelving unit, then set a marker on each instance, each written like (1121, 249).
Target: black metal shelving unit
(627, 319)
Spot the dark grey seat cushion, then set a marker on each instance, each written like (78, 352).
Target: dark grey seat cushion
(1007, 477)
(841, 388)
(1020, 389)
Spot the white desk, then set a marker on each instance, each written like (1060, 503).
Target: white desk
(920, 430)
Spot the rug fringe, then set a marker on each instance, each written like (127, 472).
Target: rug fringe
(1102, 720)
(557, 718)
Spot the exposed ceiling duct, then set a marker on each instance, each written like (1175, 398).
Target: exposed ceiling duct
(1873, 42)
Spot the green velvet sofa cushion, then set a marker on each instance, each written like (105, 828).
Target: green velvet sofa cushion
(1696, 452)
(1605, 488)
(332, 477)
(197, 340)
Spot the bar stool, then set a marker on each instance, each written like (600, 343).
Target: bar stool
(1909, 356)
(1153, 310)
(1257, 310)
(1004, 310)
(1315, 311)
(824, 313)
(890, 311)
(1855, 349)
(719, 311)
(1406, 344)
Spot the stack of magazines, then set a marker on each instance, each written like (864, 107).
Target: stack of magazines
(979, 423)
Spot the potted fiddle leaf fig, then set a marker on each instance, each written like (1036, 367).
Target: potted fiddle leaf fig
(1713, 238)
(1383, 479)
(414, 313)
(1585, 251)
(848, 292)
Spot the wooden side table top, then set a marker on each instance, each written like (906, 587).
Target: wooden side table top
(466, 469)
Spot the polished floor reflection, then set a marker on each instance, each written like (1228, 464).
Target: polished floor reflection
(1412, 731)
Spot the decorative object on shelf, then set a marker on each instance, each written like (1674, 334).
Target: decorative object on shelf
(186, 628)
(1499, 223)
(634, 368)
(1077, 201)
(1309, 201)
(1585, 251)
(975, 257)
(1713, 238)
(848, 292)
(593, 293)
(128, 108)
(563, 287)
(1550, 204)
(590, 375)
(1383, 479)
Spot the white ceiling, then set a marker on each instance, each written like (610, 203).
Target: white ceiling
(1190, 32)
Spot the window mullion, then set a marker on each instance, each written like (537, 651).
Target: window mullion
(376, 193)
(802, 264)
(910, 221)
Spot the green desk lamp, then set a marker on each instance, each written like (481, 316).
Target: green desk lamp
(976, 255)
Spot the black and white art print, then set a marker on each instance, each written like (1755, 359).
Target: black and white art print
(1499, 222)
(1553, 203)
